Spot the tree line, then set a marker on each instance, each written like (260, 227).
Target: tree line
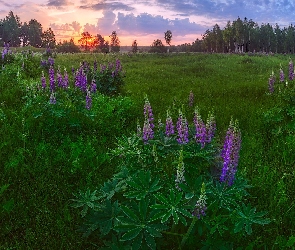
(16, 33)
(245, 36)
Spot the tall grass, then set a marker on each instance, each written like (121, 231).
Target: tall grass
(43, 173)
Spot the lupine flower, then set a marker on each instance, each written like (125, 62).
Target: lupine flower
(147, 131)
(52, 99)
(180, 171)
(51, 61)
(66, 79)
(51, 79)
(191, 99)
(102, 68)
(148, 112)
(200, 206)
(81, 79)
(43, 81)
(210, 127)
(282, 76)
(271, 82)
(59, 78)
(88, 101)
(182, 129)
(230, 153)
(93, 86)
(169, 125)
(200, 135)
(291, 70)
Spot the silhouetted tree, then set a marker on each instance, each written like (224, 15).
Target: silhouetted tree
(87, 41)
(48, 39)
(157, 47)
(134, 46)
(115, 42)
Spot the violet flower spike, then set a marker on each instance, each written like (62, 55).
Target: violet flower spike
(271, 82)
(210, 127)
(43, 81)
(52, 99)
(59, 78)
(66, 79)
(282, 76)
(148, 112)
(182, 129)
(200, 206)
(169, 125)
(51, 79)
(147, 132)
(200, 135)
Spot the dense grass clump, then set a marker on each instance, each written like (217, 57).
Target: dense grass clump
(53, 150)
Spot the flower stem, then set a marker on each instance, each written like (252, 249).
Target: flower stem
(184, 239)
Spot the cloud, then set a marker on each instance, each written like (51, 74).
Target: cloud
(110, 6)
(155, 24)
(58, 3)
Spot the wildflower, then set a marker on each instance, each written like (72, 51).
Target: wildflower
(230, 153)
(43, 81)
(59, 78)
(50, 61)
(52, 99)
(271, 82)
(147, 131)
(88, 101)
(200, 206)
(65, 83)
(148, 112)
(210, 127)
(191, 99)
(282, 76)
(169, 125)
(182, 129)
(93, 86)
(180, 171)
(51, 78)
(200, 135)
(291, 70)
(102, 68)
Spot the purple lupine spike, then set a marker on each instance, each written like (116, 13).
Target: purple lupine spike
(93, 86)
(148, 112)
(282, 76)
(271, 82)
(230, 153)
(200, 206)
(50, 61)
(43, 81)
(147, 131)
(102, 68)
(66, 79)
(51, 79)
(52, 99)
(191, 99)
(291, 70)
(200, 135)
(169, 125)
(59, 78)
(210, 127)
(73, 70)
(180, 172)
(182, 129)
(88, 101)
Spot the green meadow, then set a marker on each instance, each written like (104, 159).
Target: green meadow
(51, 152)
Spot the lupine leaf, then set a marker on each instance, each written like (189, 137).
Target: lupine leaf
(166, 216)
(161, 198)
(131, 234)
(129, 213)
(137, 241)
(150, 241)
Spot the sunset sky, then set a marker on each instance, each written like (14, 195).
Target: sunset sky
(146, 20)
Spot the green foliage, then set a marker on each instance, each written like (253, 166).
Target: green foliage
(68, 47)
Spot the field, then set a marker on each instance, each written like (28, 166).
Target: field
(50, 152)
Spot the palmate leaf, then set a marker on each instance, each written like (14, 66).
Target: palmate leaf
(137, 226)
(104, 218)
(246, 216)
(142, 185)
(85, 200)
(172, 206)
